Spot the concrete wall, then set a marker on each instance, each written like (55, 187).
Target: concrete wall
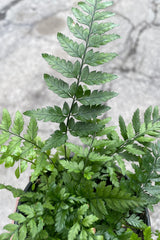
(29, 27)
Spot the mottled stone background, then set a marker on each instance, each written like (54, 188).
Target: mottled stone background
(29, 27)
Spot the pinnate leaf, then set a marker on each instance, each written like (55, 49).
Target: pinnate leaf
(58, 86)
(102, 15)
(102, 5)
(81, 17)
(99, 40)
(123, 128)
(92, 78)
(18, 217)
(86, 8)
(47, 114)
(32, 129)
(77, 30)
(72, 48)
(91, 112)
(136, 121)
(89, 220)
(66, 68)
(97, 58)
(6, 120)
(57, 139)
(101, 28)
(73, 232)
(96, 97)
(147, 116)
(18, 123)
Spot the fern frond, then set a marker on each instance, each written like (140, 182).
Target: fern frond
(123, 128)
(91, 112)
(32, 129)
(77, 30)
(47, 114)
(92, 78)
(96, 97)
(102, 15)
(147, 116)
(98, 58)
(100, 40)
(101, 28)
(136, 222)
(57, 139)
(117, 199)
(81, 17)
(58, 86)
(18, 123)
(72, 48)
(136, 121)
(66, 68)
(6, 120)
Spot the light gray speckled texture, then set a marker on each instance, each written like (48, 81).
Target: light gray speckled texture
(28, 28)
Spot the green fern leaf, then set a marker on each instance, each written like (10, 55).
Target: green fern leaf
(72, 48)
(145, 139)
(147, 116)
(91, 112)
(18, 123)
(57, 139)
(103, 5)
(6, 120)
(78, 150)
(155, 114)
(82, 210)
(29, 211)
(12, 147)
(83, 235)
(15, 191)
(101, 28)
(77, 30)
(96, 97)
(4, 137)
(136, 222)
(61, 217)
(33, 228)
(32, 129)
(66, 68)
(73, 232)
(136, 121)
(130, 132)
(123, 128)
(86, 8)
(10, 227)
(95, 157)
(58, 86)
(147, 233)
(153, 190)
(92, 78)
(81, 17)
(83, 129)
(102, 15)
(23, 232)
(98, 58)
(47, 114)
(72, 166)
(5, 236)
(99, 40)
(89, 220)
(134, 149)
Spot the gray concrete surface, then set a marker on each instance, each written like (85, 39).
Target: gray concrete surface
(28, 28)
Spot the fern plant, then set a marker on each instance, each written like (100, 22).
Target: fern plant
(85, 191)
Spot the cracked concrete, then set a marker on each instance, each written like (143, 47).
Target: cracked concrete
(29, 27)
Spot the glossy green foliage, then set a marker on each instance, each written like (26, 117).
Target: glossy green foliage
(83, 191)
